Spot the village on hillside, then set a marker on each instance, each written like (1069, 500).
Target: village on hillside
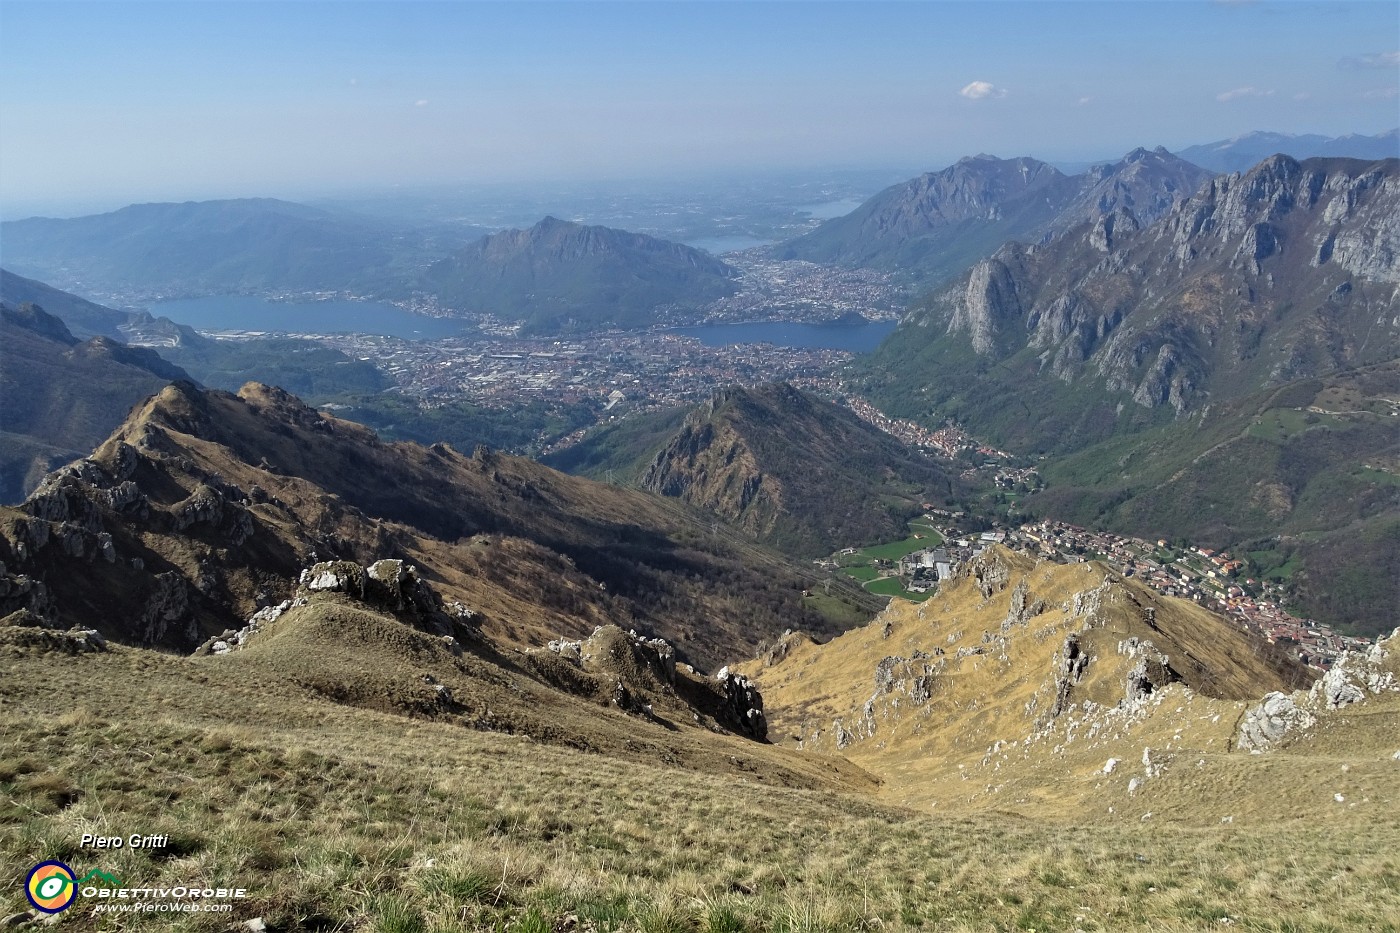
(1214, 579)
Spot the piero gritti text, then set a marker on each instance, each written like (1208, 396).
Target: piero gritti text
(134, 841)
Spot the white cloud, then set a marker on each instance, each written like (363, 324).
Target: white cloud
(1382, 93)
(1248, 90)
(420, 103)
(354, 81)
(1302, 95)
(1373, 60)
(980, 90)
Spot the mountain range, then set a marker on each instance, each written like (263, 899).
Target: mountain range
(214, 247)
(204, 506)
(1244, 151)
(934, 226)
(1289, 271)
(1192, 329)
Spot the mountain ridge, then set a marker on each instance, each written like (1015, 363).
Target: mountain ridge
(936, 225)
(222, 499)
(1238, 153)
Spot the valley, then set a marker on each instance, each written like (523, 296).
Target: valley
(1009, 547)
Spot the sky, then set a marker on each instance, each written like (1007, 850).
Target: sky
(115, 102)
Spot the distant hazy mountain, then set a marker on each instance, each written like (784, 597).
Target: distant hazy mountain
(1242, 152)
(211, 247)
(938, 224)
(62, 395)
(562, 276)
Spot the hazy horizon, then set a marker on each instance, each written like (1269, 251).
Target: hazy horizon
(115, 103)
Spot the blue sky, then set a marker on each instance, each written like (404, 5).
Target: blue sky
(122, 102)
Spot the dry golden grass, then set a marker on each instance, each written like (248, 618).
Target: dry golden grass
(345, 818)
(939, 755)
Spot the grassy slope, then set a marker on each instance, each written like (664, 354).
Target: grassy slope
(336, 816)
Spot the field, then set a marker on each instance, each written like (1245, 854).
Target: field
(921, 535)
(890, 586)
(344, 819)
(862, 565)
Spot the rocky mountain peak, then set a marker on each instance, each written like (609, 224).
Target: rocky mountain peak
(1297, 256)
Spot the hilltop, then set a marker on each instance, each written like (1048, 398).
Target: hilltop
(560, 276)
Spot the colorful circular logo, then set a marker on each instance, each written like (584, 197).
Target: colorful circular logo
(51, 886)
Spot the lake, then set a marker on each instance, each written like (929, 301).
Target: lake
(245, 312)
(716, 245)
(829, 209)
(857, 338)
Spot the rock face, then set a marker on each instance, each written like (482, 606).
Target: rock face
(1270, 721)
(794, 470)
(1174, 304)
(743, 706)
(640, 676)
(1355, 677)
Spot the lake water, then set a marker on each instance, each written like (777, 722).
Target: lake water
(829, 209)
(244, 312)
(727, 244)
(857, 338)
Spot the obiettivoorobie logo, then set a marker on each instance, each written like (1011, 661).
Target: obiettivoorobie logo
(51, 887)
